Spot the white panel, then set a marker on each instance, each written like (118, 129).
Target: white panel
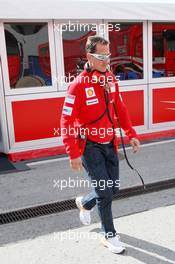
(4, 144)
(62, 86)
(8, 90)
(150, 65)
(145, 51)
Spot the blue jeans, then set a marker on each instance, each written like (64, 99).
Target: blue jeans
(102, 166)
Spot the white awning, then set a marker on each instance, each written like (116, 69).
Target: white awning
(97, 9)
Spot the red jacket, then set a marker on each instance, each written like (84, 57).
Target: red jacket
(84, 103)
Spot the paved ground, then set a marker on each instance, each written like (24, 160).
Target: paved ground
(149, 237)
(36, 186)
(145, 222)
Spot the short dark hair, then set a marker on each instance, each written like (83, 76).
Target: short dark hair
(92, 42)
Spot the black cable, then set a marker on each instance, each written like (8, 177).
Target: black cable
(122, 141)
(123, 146)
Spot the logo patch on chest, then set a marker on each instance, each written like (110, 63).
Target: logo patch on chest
(90, 92)
(70, 99)
(92, 101)
(67, 110)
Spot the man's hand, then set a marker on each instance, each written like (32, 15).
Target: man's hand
(135, 143)
(76, 164)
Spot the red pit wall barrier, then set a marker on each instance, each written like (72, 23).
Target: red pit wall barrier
(163, 105)
(134, 101)
(26, 155)
(36, 119)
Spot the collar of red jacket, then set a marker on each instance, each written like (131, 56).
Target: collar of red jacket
(100, 77)
(103, 78)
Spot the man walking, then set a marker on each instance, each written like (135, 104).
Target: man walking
(89, 108)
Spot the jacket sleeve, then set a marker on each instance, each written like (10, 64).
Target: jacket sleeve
(70, 112)
(124, 118)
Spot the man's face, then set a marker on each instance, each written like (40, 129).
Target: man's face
(95, 63)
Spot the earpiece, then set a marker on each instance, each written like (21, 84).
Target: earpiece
(108, 67)
(87, 67)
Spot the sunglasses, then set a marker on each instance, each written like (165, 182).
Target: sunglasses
(101, 57)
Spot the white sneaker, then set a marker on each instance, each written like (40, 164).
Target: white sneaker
(114, 244)
(85, 215)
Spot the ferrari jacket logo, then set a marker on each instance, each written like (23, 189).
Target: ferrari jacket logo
(90, 92)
